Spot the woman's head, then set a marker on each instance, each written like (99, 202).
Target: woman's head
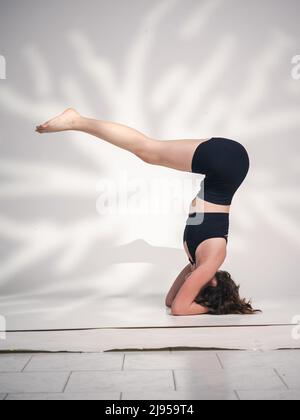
(221, 297)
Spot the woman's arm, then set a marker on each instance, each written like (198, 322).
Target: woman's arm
(177, 284)
(193, 309)
(184, 302)
(213, 257)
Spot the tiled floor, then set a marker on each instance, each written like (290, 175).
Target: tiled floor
(146, 375)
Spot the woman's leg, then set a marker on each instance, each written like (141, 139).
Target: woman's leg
(175, 154)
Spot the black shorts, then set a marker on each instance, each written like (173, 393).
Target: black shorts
(225, 164)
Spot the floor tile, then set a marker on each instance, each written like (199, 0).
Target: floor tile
(196, 360)
(269, 359)
(199, 375)
(76, 362)
(32, 382)
(120, 381)
(269, 395)
(290, 376)
(204, 395)
(13, 363)
(228, 380)
(67, 397)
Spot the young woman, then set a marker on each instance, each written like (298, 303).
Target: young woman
(201, 287)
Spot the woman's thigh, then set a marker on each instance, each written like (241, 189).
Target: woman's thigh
(175, 154)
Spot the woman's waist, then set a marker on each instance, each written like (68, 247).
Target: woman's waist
(201, 206)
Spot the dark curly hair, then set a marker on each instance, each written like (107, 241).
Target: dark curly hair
(224, 299)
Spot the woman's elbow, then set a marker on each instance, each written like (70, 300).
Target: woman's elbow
(177, 310)
(168, 302)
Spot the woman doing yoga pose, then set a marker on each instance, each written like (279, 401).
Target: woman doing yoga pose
(201, 287)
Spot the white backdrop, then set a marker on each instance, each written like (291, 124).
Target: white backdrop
(171, 69)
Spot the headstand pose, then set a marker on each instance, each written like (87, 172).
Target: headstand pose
(201, 287)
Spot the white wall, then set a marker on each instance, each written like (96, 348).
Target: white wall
(172, 69)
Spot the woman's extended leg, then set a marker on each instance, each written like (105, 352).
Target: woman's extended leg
(175, 154)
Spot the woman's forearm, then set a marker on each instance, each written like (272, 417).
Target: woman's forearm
(177, 285)
(193, 309)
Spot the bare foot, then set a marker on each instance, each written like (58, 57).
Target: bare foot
(63, 122)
